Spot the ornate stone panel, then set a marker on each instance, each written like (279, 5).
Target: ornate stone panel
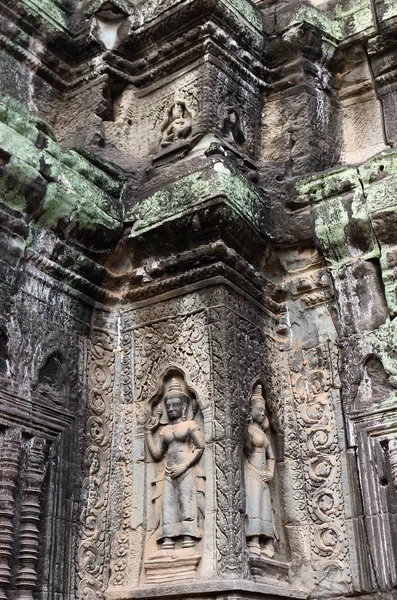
(216, 338)
(206, 92)
(93, 547)
(320, 455)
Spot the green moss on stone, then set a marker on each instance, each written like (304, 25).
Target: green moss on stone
(49, 11)
(310, 15)
(206, 187)
(249, 11)
(61, 190)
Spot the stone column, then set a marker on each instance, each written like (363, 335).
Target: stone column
(10, 448)
(29, 519)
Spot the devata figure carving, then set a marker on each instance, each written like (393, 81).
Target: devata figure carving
(231, 128)
(177, 124)
(181, 485)
(259, 472)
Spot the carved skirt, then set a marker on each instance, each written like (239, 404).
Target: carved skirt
(259, 521)
(180, 505)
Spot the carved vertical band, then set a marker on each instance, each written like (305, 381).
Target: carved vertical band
(393, 459)
(29, 518)
(93, 521)
(320, 454)
(10, 454)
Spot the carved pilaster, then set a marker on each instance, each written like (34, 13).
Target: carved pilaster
(393, 459)
(10, 446)
(29, 518)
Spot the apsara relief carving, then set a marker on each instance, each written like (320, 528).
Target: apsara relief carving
(178, 489)
(177, 124)
(259, 472)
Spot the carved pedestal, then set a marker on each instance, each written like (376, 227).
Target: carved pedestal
(167, 568)
(274, 569)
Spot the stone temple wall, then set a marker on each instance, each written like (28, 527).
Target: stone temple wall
(198, 362)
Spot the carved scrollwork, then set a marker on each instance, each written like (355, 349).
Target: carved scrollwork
(177, 341)
(329, 540)
(326, 505)
(319, 451)
(123, 554)
(94, 493)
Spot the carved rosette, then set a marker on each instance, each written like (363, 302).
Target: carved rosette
(320, 455)
(30, 518)
(10, 448)
(92, 550)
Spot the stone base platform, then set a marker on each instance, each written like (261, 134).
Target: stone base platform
(236, 589)
(167, 566)
(264, 566)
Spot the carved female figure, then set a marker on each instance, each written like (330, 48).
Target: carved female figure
(231, 127)
(177, 124)
(182, 443)
(259, 472)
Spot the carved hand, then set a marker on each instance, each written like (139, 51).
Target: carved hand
(178, 469)
(267, 475)
(153, 423)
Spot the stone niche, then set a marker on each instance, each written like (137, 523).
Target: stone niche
(176, 114)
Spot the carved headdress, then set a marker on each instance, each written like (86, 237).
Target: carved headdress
(175, 390)
(257, 395)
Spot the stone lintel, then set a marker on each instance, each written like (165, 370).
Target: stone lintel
(33, 416)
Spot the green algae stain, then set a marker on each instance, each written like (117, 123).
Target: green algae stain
(58, 189)
(210, 185)
(332, 27)
(48, 11)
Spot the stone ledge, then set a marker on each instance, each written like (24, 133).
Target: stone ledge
(269, 590)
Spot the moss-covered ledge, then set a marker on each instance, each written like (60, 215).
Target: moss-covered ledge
(354, 213)
(213, 202)
(76, 196)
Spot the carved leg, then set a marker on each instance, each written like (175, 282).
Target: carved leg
(10, 453)
(30, 517)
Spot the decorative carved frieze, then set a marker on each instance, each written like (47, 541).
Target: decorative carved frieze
(320, 455)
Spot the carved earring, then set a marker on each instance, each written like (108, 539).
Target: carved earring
(184, 413)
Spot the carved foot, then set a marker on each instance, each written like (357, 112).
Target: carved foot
(188, 542)
(168, 544)
(268, 550)
(254, 549)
